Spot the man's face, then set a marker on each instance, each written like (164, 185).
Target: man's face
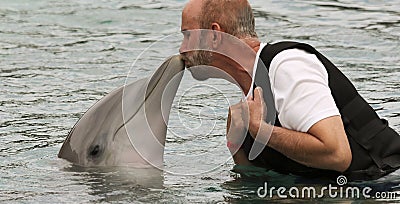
(191, 49)
(192, 39)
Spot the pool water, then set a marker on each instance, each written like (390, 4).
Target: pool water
(58, 58)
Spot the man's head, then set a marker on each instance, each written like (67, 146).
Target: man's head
(234, 17)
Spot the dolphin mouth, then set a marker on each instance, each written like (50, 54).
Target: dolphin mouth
(171, 67)
(157, 76)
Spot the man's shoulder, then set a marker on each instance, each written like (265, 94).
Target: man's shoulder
(295, 61)
(274, 48)
(294, 55)
(288, 43)
(286, 50)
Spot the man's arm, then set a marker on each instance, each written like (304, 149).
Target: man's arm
(324, 146)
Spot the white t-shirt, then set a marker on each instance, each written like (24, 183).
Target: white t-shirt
(299, 82)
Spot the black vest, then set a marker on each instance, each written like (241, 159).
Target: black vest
(374, 145)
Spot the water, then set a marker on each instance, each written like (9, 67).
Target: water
(58, 58)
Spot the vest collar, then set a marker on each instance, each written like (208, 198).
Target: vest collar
(250, 92)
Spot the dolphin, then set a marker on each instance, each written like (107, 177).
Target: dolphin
(127, 127)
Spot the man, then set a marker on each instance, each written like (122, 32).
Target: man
(317, 131)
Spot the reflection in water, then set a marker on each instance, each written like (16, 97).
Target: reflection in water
(119, 183)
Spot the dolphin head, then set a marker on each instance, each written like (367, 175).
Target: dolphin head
(104, 135)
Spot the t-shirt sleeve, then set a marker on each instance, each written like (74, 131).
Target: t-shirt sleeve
(302, 95)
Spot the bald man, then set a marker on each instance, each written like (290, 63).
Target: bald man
(316, 132)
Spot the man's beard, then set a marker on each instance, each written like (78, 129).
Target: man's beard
(198, 57)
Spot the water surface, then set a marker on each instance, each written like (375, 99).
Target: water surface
(58, 58)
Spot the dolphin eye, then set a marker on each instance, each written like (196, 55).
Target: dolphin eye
(94, 151)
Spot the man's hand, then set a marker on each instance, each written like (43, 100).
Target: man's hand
(247, 116)
(257, 111)
(237, 126)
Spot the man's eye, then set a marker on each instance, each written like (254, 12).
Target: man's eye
(186, 34)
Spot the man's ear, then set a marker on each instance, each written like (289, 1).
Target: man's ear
(216, 26)
(216, 35)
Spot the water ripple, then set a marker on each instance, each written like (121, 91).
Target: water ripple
(57, 58)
